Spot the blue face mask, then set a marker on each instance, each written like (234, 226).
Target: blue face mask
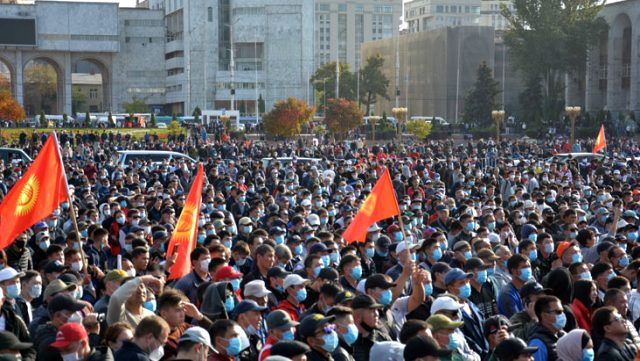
(385, 297)
(150, 305)
(413, 257)
(352, 334)
(437, 254)
(369, 252)
(330, 341)
(316, 271)
(334, 257)
(235, 284)
(13, 291)
(588, 355)
(470, 226)
(491, 226)
(624, 261)
(525, 274)
(201, 238)
(464, 291)
(229, 304)
(533, 255)
(397, 236)
(481, 277)
(577, 257)
(573, 235)
(550, 199)
(491, 271)
(222, 207)
(301, 295)
(288, 336)
(227, 243)
(533, 237)
(211, 232)
(279, 239)
(586, 275)
(603, 219)
(632, 236)
(453, 342)
(443, 246)
(243, 198)
(467, 255)
(561, 321)
(326, 260)
(234, 346)
(247, 229)
(548, 247)
(356, 272)
(298, 250)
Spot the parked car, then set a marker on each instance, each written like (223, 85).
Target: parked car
(156, 156)
(9, 155)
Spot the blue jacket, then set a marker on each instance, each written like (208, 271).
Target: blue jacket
(509, 301)
(189, 285)
(130, 352)
(473, 331)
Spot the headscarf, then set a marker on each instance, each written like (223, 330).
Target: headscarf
(582, 292)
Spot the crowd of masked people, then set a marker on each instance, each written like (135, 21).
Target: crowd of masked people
(500, 253)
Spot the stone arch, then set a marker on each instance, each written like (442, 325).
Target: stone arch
(104, 71)
(33, 98)
(7, 74)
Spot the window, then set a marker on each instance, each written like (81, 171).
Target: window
(324, 7)
(342, 8)
(359, 8)
(210, 14)
(93, 93)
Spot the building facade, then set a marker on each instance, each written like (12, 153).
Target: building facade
(425, 15)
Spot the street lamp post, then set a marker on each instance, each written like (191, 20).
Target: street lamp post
(374, 119)
(498, 117)
(573, 113)
(399, 113)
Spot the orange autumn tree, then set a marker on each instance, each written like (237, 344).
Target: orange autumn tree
(10, 109)
(287, 117)
(342, 115)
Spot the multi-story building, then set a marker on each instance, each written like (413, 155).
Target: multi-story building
(342, 26)
(491, 13)
(425, 15)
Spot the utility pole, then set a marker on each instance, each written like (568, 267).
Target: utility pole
(337, 78)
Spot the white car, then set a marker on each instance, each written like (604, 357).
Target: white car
(161, 125)
(156, 156)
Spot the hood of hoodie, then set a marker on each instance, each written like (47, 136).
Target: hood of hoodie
(213, 300)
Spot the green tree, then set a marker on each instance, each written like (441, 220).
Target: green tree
(548, 38)
(261, 105)
(43, 120)
(65, 118)
(342, 115)
(40, 87)
(373, 82)
(152, 121)
(110, 120)
(419, 128)
(481, 98)
(136, 105)
(87, 120)
(287, 117)
(196, 115)
(174, 117)
(324, 82)
(78, 99)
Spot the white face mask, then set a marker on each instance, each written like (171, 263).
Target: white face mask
(71, 357)
(131, 272)
(204, 265)
(75, 318)
(77, 266)
(156, 354)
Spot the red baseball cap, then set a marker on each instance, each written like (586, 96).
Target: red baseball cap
(563, 247)
(69, 333)
(227, 272)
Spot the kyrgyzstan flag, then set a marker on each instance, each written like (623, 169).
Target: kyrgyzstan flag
(183, 239)
(36, 195)
(380, 204)
(601, 142)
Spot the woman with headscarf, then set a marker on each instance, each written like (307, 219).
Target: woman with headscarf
(584, 297)
(575, 346)
(218, 301)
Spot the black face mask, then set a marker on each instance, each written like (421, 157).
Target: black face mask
(367, 327)
(21, 244)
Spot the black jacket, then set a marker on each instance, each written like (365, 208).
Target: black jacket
(15, 325)
(610, 351)
(549, 339)
(130, 352)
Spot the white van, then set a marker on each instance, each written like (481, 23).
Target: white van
(434, 120)
(155, 156)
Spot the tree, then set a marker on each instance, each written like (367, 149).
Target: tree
(287, 117)
(136, 105)
(419, 128)
(87, 119)
(152, 121)
(40, 87)
(174, 126)
(531, 100)
(43, 120)
(547, 39)
(5, 80)
(10, 109)
(110, 120)
(342, 115)
(324, 82)
(373, 82)
(261, 105)
(174, 117)
(65, 119)
(196, 115)
(481, 98)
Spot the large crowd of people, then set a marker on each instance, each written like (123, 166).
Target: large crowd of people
(501, 252)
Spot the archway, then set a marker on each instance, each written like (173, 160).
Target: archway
(42, 79)
(6, 77)
(90, 88)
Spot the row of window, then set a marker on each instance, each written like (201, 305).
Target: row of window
(457, 9)
(239, 85)
(358, 8)
(174, 88)
(145, 90)
(143, 22)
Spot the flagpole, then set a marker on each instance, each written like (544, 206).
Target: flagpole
(72, 208)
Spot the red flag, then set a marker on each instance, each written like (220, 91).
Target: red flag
(601, 142)
(380, 204)
(36, 195)
(184, 237)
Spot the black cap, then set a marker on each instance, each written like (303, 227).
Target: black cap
(494, 323)
(54, 267)
(289, 349)
(278, 272)
(344, 296)
(64, 302)
(310, 324)
(422, 346)
(440, 267)
(475, 263)
(532, 288)
(364, 302)
(9, 341)
(378, 280)
(383, 242)
(603, 246)
(329, 273)
(512, 348)
(247, 306)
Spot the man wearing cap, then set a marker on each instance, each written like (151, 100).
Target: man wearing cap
(61, 307)
(381, 257)
(524, 321)
(72, 342)
(194, 345)
(248, 315)
(229, 274)
(443, 222)
(112, 281)
(366, 318)
(296, 293)
(382, 290)
(424, 348)
(11, 346)
(496, 329)
(442, 329)
(319, 333)
(483, 292)
(551, 322)
(291, 350)
(461, 253)
(41, 314)
(509, 301)
(449, 306)
(458, 284)
(514, 349)
(281, 328)
(406, 254)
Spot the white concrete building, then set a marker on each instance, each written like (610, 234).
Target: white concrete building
(425, 15)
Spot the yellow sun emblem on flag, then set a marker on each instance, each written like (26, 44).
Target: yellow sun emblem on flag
(185, 222)
(28, 196)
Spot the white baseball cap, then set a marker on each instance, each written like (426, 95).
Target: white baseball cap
(445, 303)
(198, 335)
(294, 280)
(9, 273)
(255, 288)
(402, 246)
